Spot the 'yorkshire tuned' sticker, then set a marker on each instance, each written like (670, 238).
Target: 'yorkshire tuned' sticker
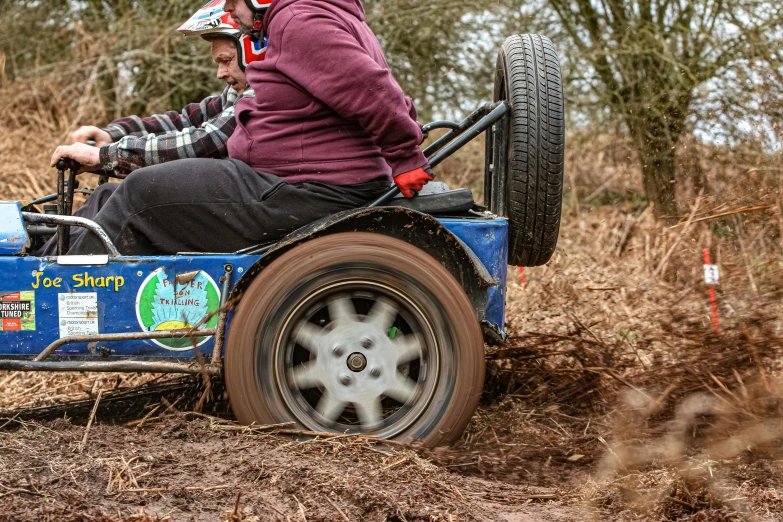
(177, 303)
(17, 311)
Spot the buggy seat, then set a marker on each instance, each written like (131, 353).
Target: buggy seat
(437, 198)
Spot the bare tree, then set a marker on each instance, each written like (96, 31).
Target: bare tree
(434, 50)
(646, 59)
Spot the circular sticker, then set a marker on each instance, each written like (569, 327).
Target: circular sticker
(176, 304)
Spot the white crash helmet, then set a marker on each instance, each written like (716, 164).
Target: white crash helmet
(212, 21)
(259, 6)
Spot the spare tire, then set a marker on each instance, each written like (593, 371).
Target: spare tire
(528, 148)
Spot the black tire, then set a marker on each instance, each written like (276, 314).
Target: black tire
(295, 313)
(528, 78)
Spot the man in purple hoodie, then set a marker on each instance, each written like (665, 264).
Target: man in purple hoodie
(328, 130)
(329, 108)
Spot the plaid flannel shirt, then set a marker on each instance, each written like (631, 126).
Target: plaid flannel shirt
(201, 130)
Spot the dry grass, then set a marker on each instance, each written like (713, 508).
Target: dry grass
(39, 113)
(693, 463)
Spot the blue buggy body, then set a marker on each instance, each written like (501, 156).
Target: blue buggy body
(43, 300)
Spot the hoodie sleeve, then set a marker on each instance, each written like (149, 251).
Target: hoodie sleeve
(321, 55)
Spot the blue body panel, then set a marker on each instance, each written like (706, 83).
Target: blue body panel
(13, 236)
(116, 299)
(489, 241)
(41, 300)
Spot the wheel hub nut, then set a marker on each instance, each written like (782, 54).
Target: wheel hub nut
(357, 362)
(375, 372)
(337, 351)
(345, 380)
(367, 343)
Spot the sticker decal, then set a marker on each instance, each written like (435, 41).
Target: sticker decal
(17, 311)
(78, 314)
(84, 280)
(177, 303)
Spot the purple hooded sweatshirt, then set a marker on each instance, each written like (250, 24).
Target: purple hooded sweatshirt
(327, 107)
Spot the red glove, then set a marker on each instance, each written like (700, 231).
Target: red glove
(412, 182)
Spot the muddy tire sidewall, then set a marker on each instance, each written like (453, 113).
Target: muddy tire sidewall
(252, 361)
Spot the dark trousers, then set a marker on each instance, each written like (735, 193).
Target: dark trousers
(220, 206)
(89, 210)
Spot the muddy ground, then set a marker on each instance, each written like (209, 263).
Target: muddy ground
(196, 470)
(513, 465)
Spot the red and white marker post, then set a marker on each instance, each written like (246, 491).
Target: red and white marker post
(712, 277)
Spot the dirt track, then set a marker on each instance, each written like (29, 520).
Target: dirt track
(556, 420)
(196, 470)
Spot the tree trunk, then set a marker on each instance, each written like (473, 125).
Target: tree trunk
(656, 140)
(658, 174)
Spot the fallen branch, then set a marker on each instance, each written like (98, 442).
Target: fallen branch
(141, 422)
(175, 488)
(332, 436)
(21, 492)
(507, 499)
(345, 517)
(274, 429)
(662, 266)
(741, 210)
(90, 421)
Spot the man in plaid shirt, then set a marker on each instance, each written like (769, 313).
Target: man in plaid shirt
(201, 130)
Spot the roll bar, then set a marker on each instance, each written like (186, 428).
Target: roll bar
(458, 136)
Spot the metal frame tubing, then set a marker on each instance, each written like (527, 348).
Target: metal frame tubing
(101, 366)
(454, 140)
(65, 201)
(64, 239)
(60, 206)
(456, 129)
(500, 168)
(92, 226)
(134, 336)
(441, 124)
(489, 166)
(53, 197)
(497, 112)
(40, 230)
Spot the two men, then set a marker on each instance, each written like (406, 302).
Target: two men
(327, 130)
(200, 130)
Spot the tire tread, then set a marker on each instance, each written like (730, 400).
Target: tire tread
(529, 68)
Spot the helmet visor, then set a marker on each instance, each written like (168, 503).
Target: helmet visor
(259, 5)
(212, 18)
